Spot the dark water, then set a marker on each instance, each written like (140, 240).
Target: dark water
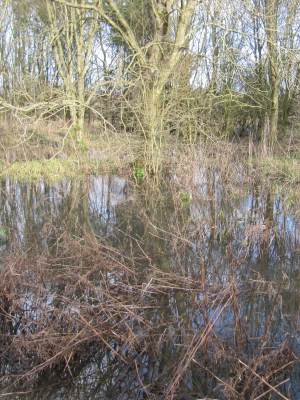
(211, 233)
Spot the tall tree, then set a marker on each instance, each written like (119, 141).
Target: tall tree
(271, 18)
(157, 56)
(73, 31)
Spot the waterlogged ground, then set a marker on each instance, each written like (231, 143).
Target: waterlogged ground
(114, 289)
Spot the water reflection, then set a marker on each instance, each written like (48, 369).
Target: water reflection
(219, 239)
(28, 210)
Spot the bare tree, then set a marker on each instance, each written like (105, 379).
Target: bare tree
(271, 17)
(72, 33)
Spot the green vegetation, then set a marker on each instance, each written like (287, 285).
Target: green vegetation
(56, 169)
(283, 169)
(185, 198)
(139, 173)
(51, 170)
(3, 235)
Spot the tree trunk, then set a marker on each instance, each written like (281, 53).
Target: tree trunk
(271, 10)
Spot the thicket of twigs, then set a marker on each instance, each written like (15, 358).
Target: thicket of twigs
(84, 301)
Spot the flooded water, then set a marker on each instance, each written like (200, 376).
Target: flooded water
(217, 269)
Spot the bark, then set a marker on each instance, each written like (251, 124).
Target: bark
(72, 39)
(271, 10)
(163, 65)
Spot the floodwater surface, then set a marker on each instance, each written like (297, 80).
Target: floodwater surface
(216, 288)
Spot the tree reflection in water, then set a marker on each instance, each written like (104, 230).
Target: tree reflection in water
(109, 293)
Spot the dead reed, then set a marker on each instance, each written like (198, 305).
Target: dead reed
(60, 309)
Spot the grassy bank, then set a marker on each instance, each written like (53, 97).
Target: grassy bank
(49, 152)
(282, 169)
(52, 154)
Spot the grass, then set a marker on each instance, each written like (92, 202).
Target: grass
(54, 170)
(51, 155)
(46, 151)
(283, 169)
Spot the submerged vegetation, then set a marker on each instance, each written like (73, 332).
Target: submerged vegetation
(117, 292)
(149, 199)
